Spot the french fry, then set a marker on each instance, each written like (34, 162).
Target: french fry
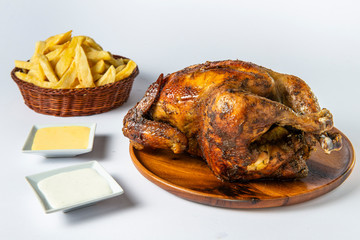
(130, 66)
(91, 43)
(51, 42)
(108, 77)
(39, 49)
(23, 64)
(67, 55)
(120, 68)
(37, 72)
(99, 67)
(62, 61)
(96, 77)
(47, 68)
(83, 69)
(54, 55)
(30, 79)
(94, 55)
(119, 62)
(114, 62)
(76, 84)
(43, 84)
(21, 75)
(69, 77)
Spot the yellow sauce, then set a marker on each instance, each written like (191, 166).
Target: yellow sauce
(67, 137)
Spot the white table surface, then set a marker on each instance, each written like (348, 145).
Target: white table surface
(318, 41)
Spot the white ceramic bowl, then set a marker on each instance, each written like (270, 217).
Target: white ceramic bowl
(59, 152)
(35, 179)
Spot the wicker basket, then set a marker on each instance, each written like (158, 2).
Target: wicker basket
(75, 102)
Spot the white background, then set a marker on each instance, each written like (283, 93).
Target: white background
(318, 41)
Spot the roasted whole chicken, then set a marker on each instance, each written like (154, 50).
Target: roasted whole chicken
(246, 121)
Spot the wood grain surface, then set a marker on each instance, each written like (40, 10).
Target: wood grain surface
(190, 178)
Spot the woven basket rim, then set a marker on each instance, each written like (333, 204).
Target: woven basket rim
(73, 91)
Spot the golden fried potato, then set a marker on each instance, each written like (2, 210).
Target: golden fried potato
(53, 41)
(120, 68)
(67, 55)
(99, 67)
(69, 77)
(21, 75)
(23, 64)
(47, 68)
(91, 43)
(124, 73)
(83, 70)
(39, 49)
(37, 72)
(63, 61)
(30, 79)
(94, 55)
(55, 55)
(108, 77)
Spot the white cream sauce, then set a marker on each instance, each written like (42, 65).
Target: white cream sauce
(65, 189)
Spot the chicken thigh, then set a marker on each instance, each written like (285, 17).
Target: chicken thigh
(246, 121)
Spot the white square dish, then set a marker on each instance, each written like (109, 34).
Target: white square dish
(59, 152)
(47, 201)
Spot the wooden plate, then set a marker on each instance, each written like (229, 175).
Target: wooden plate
(190, 178)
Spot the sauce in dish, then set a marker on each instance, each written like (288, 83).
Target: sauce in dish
(65, 189)
(66, 137)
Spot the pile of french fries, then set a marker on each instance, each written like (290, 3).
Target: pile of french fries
(66, 62)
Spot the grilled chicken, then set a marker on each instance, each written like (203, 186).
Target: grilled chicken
(246, 121)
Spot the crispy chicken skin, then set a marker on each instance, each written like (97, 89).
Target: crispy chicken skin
(248, 122)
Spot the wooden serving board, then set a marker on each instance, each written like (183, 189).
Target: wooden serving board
(190, 178)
